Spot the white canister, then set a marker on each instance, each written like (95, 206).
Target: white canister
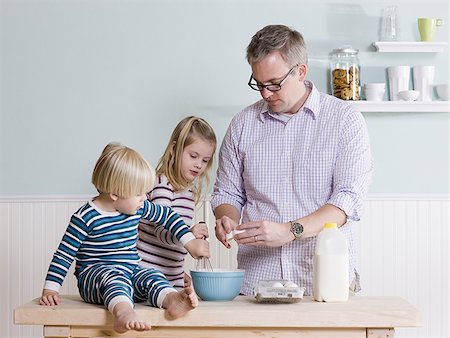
(398, 80)
(331, 266)
(423, 78)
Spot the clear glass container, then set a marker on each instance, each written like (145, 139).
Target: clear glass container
(389, 25)
(345, 70)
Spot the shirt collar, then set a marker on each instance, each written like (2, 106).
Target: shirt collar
(311, 105)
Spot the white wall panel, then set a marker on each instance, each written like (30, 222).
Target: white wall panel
(31, 231)
(404, 251)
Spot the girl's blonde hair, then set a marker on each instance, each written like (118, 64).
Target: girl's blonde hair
(185, 133)
(122, 171)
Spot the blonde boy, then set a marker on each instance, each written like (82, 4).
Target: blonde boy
(102, 235)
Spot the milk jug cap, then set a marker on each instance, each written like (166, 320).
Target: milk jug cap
(330, 225)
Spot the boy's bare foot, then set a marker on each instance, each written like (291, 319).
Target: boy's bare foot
(125, 318)
(178, 304)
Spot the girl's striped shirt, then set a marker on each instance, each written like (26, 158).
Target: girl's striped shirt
(155, 245)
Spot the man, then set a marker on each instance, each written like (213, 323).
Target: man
(289, 163)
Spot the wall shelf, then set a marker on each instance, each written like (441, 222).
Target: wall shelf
(409, 46)
(402, 106)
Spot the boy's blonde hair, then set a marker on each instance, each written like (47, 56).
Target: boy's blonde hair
(185, 133)
(122, 171)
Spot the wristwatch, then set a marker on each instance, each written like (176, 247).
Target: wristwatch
(297, 230)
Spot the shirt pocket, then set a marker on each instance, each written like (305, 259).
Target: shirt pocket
(317, 170)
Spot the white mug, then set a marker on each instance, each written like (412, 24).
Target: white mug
(398, 80)
(423, 77)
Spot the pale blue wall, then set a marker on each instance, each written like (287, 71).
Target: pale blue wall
(78, 74)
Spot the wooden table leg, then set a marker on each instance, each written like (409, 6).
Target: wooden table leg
(380, 333)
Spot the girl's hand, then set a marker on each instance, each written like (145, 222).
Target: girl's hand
(198, 248)
(50, 298)
(200, 230)
(187, 280)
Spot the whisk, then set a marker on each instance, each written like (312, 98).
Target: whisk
(203, 263)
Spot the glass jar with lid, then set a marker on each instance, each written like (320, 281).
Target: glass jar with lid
(345, 70)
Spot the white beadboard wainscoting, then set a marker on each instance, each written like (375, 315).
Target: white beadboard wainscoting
(404, 251)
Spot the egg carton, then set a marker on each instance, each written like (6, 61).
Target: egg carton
(278, 291)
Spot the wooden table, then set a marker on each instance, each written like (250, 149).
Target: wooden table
(361, 317)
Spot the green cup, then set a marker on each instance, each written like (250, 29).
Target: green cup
(427, 28)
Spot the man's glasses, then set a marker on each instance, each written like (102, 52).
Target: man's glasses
(273, 87)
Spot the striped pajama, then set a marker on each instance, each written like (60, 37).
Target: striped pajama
(109, 284)
(107, 262)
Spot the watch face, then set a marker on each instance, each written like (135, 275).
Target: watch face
(297, 229)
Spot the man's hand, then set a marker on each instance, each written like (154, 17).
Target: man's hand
(224, 226)
(264, 233)
(50, 298)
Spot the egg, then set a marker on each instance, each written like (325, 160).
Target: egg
(290, 285)
(277, 285)
(233, 233)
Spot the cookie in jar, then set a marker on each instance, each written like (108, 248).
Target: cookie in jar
(345, 74)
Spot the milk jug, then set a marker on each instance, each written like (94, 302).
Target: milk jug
(330, 266)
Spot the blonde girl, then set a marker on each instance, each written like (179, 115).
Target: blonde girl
(182, 176)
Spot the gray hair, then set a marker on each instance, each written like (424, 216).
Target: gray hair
(279, 38)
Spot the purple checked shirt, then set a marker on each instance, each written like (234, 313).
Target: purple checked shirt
(280, 169)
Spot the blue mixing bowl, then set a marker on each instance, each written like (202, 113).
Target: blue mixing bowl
(217, 285)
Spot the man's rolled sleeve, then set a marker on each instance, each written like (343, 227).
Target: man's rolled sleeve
(349, 203)
(354, 167)
(228, 188)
